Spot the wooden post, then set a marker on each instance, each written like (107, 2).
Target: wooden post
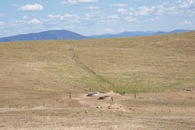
(112, 99)
(135, 95)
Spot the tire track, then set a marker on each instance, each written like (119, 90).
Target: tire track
(76, 59)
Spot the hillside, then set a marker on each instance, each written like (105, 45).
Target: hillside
(47, 35)
(157, 74)
(141, 64)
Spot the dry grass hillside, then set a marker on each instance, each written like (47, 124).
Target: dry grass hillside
(37, 75)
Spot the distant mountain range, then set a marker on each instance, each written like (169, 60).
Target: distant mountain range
(47, 35)
(68, 35)
(137, 33)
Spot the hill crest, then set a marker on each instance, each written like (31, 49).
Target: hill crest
(46, 35)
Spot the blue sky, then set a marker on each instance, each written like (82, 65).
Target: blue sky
(90, 17)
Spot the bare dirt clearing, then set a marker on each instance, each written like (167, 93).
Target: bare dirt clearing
(151, 111)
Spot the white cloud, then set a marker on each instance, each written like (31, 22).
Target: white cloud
(130, 20)
(121, 8)
(25, 17)
(73, 2)
(156, 10)
(121, 11)
(62, 17)
(30, 7)
(34, 21)
(93, 7)
(186, 3)
(52, 16)
(108, 30)
(93, 18)
(87, 0)
(172, 10)
(120, 5)
(92, 15)
(159, 9)
(56, 17)
(2, 23)
(190, 13)
(144, 11)
(111, 18)
(185, 22)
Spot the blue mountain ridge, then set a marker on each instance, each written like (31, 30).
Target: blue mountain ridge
(46, 35)
(68, 35)
(138, 33)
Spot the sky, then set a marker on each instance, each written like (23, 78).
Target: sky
(94, 17)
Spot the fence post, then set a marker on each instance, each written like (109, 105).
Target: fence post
(135, 95)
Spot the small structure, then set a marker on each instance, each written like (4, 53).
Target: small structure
(104, 98)
(93, 94)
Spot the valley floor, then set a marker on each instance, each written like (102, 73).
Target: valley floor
(149, 111)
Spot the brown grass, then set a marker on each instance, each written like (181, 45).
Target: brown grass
(40, 74)
(141, 64)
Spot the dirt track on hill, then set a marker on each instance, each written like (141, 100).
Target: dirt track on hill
(150, 111)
